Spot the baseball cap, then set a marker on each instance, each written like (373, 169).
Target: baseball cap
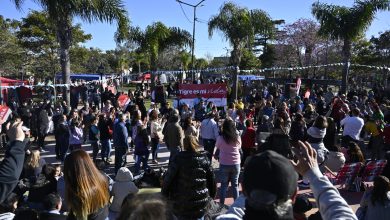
(269, 178)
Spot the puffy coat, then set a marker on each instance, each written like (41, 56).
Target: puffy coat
(122, 187)
(189, 183)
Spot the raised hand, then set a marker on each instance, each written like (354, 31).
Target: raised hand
(307, 158)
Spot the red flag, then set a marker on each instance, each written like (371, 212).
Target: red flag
(5, 111)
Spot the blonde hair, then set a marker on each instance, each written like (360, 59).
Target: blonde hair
(190, 143)
(86, 189)
(33, 159)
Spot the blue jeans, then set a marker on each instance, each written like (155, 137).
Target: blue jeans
(141, 159)
(155, 146)
(229, 173)
(173, 152)
(106, 149)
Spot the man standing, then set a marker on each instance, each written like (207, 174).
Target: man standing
(120, 141)
(209, 132)
(173, 135)
(352, 128)
(43, 126)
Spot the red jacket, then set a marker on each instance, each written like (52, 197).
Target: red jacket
(249, 138)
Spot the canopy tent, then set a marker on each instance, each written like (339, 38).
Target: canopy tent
(250, 77)
(8, 81)
(79, 76)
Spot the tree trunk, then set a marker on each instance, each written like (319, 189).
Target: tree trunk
(346, 59)
(64, 35)
(153, 65)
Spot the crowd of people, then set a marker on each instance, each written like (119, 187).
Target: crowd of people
(268, 143)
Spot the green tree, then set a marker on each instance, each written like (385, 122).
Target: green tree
(239, 26)
(201, 63)
(62, 13)
(11, 53)
(139, 58)
(347, 24)
(156, 38)
(37, 35)
(249, 60)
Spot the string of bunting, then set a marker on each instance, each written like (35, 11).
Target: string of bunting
(316, 66)
(193, 71)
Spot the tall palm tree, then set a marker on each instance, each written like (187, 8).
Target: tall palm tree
(347, 24)
(239, 26)
(157, 37)
(62, 14)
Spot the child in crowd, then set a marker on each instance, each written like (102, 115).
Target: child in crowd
(122, 187)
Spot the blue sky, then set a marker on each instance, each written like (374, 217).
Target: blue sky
(144, 12)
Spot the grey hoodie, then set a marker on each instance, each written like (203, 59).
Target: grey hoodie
(122, 187)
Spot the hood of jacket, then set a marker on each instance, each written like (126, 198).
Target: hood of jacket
(124, 175)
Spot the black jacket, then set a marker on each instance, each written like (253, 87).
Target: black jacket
(189, 183)
(11, 167)
(51, 216)
(100, 214)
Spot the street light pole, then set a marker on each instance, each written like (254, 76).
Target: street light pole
(193, 34)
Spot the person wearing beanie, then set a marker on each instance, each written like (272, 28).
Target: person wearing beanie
(271, 192)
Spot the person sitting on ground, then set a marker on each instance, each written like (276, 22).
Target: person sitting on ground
(123, 186)
(145, 206)
(8, 207)
(316, 135)
(354, 154)
(376, 201)
(33, 165)
(274, 196)
(189, 182)
(298, 128)
(45, 184)
(336, 159)
(52, 205)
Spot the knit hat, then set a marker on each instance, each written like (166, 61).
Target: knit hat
(269, 178)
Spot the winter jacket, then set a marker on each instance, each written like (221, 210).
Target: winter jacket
(122, 187)
(120, 135)
(316, 139)
(11, 167)
(173, 135)
(189, 183)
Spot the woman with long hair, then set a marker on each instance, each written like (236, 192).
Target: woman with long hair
(189, 128)
(229, 145)
(86, 189)
(33, 164)
(377, 201)
(156, 127)
(354, 153)
(189, 182)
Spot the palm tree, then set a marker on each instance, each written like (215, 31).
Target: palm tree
(156, 38)
(239, 26)
(347, 24)
(140, 57)
(62, 14)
